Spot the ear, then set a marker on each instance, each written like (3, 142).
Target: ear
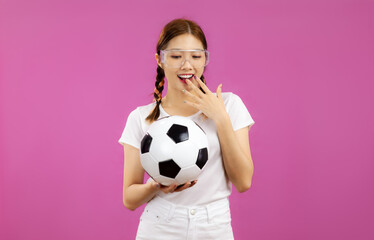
(158, 60)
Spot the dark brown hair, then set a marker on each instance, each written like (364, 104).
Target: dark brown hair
(173, 29)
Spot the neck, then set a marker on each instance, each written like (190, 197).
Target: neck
(174, 99)
(173, 103)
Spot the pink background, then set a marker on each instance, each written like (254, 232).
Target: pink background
(72, 70)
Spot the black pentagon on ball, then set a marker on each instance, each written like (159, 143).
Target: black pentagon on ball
(146, 143)
(169, 168)
(178, 133)
(202, 158)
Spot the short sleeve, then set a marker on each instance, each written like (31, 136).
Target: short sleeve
(238, 112)
(132, 132)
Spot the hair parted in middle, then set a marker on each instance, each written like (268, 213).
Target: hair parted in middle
(173, 29)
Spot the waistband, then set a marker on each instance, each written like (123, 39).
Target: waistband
(171, 210)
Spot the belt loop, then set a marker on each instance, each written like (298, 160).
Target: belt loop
(208, 213)
(171, 212)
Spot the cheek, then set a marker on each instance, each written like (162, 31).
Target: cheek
(171, 76)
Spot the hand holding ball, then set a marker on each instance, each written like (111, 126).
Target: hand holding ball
(174, 150)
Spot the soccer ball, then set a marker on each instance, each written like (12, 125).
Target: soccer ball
(174, 150)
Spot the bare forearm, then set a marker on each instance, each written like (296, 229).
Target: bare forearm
(138, 194)
(238, 166)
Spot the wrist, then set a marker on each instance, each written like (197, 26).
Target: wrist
(222, 120)
(153, 186)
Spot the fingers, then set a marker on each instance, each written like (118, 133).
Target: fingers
(194, 88)
(202, 85)
(194, 97)
(219, 92)
(168, 189)
(186, 185)
(193, 183)
(174, 187)
(192, 104)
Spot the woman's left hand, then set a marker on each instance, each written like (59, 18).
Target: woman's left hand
(211, 105)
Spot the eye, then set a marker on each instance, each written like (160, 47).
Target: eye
(175, 56)
(196, 56)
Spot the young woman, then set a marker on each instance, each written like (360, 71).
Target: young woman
(198, 209)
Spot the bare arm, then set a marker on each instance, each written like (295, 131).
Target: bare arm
(236, 154)
(135, 193)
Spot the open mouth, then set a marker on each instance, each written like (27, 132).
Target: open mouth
(183, 77)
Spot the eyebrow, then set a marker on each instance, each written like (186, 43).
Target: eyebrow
(185, 49)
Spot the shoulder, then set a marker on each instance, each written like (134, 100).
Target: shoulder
(232, 101)
(230, 97)
(144, 110)
(141, 112)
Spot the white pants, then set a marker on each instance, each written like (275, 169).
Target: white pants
(164, 220)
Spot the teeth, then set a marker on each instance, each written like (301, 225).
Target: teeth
(185, 76)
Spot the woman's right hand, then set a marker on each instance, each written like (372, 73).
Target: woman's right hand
(172, 188)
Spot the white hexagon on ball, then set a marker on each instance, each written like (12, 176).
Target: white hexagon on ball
(185, 174)
(185, 154)
(150, 164)
(161, 147)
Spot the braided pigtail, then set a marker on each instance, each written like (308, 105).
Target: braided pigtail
(159, 87)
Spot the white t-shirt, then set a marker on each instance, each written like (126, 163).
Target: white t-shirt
(212, 184)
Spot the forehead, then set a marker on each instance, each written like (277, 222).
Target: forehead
(185, 42)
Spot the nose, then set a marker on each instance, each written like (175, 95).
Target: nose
(185, 65)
